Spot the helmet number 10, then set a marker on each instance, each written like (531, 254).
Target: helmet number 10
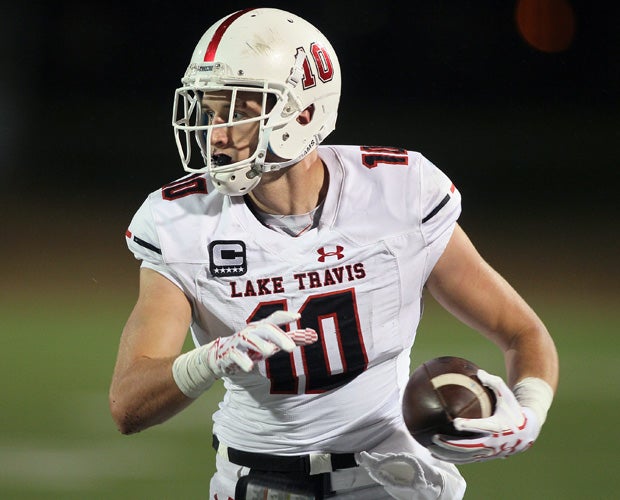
(323, 64)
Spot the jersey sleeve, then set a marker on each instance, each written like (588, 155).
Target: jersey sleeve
(141, 236)
(440, 209)
(143, 241)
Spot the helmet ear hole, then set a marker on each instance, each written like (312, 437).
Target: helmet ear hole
(306, 115)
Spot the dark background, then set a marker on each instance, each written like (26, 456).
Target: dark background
(530, 138)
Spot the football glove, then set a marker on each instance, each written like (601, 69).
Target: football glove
(402, 475)
(511, 429)
(195, 371)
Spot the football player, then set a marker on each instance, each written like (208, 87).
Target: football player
(300, 269)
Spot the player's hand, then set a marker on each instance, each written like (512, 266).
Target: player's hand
(257, 341)
(511, 429)
(403, 476)
(195, 371)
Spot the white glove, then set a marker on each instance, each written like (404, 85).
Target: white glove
(402, 475)
(511, 429)
(195, 371)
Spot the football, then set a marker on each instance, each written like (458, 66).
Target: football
(440, 390)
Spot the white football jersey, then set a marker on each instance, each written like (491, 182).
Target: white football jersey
(357, 279)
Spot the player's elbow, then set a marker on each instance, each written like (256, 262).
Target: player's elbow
(127, 422)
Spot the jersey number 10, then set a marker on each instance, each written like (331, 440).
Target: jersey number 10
(338, 309)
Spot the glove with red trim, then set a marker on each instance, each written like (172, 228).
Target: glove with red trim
(195, 371)
(259, 340)
(511, 429)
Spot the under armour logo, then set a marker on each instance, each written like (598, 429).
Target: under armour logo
(337, 253)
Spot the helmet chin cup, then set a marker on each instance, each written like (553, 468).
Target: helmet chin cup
(236, 183)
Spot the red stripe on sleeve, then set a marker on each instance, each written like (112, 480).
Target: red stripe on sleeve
(219, 33)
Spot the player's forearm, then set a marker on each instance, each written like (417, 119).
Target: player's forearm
(532, 354)
(145, 394)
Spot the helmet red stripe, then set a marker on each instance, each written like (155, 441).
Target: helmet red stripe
(219, 33)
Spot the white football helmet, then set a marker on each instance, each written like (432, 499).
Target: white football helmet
(271, 52)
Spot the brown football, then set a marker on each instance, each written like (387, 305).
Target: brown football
(440, 390)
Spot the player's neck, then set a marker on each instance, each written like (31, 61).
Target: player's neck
(294, 190)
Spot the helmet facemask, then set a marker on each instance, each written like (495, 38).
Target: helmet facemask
(279, 107)
(193, 127)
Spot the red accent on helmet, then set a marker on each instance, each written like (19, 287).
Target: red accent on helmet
(219, 33)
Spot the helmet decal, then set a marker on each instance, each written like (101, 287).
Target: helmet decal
(322, 62)
(308, 80)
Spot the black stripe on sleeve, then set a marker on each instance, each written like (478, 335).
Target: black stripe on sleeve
(146, 244)
(433, 212)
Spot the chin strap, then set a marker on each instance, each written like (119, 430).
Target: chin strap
(297, 70)
(273, 166)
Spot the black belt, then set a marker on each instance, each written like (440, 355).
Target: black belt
(282, 463)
